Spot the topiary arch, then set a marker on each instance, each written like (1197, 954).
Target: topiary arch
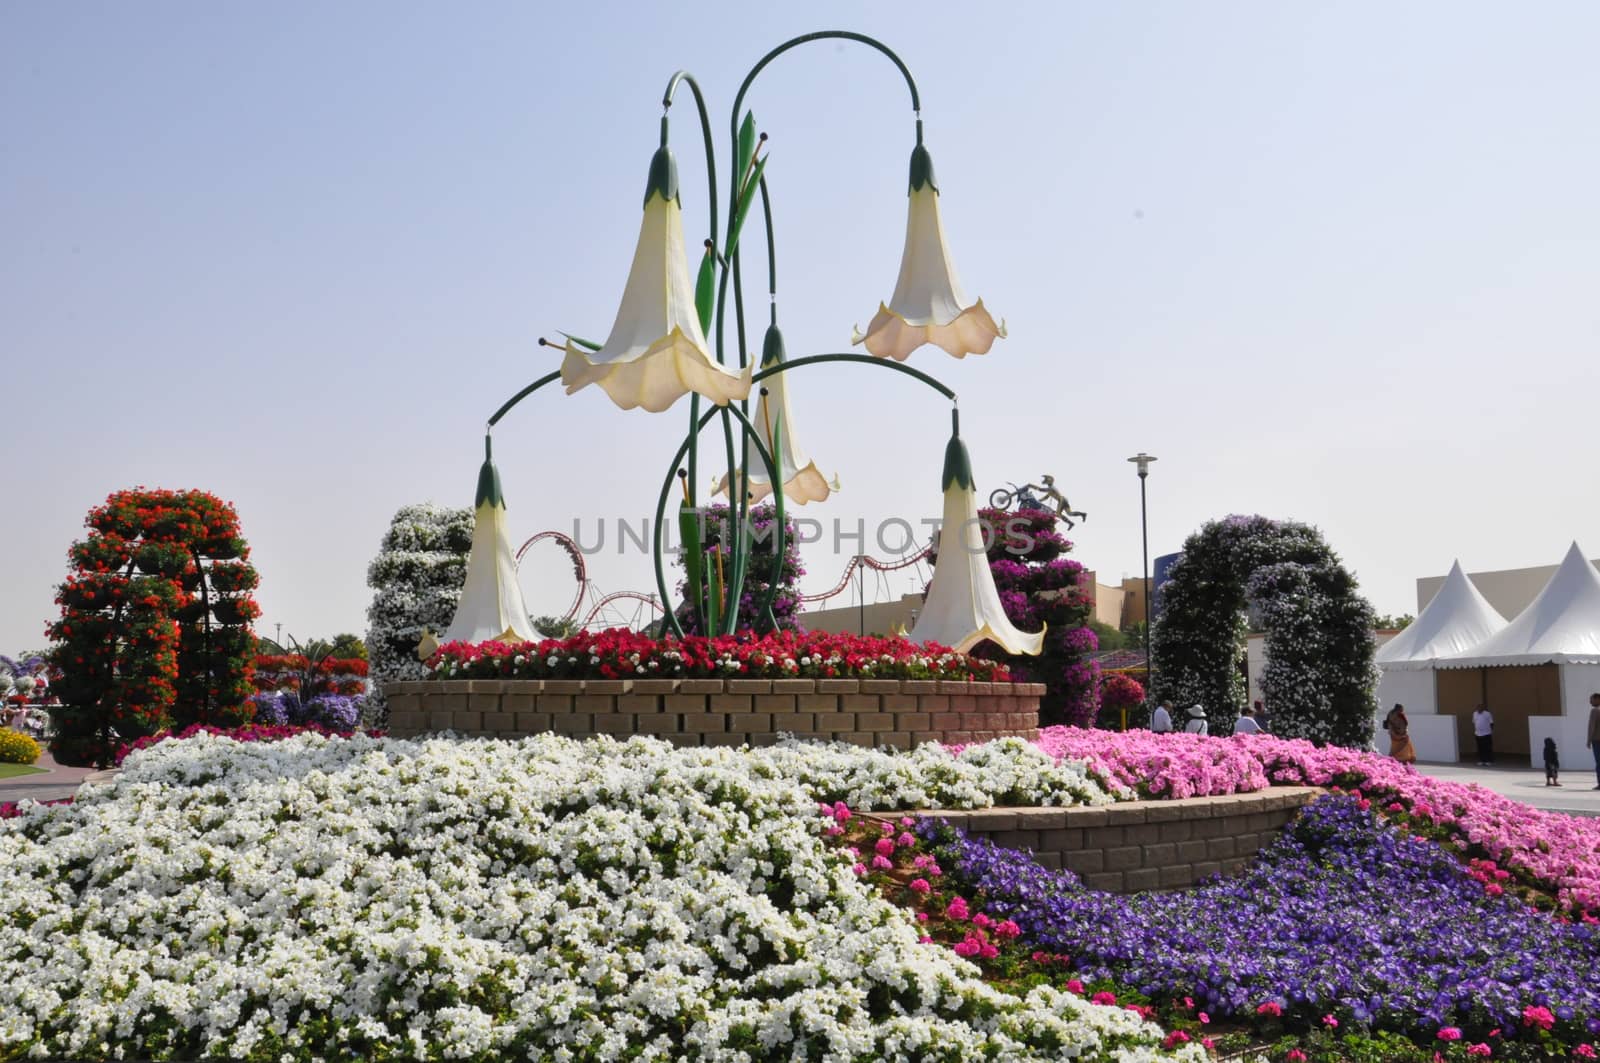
(1319, 678)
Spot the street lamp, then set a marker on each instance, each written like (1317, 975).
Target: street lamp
(1143, 460)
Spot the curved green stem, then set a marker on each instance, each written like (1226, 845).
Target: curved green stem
(772, 252)
(666, 491)
(548, 378)
(864, 359)
(822, 35)
(705, 133)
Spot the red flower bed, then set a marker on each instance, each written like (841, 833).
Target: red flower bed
(623, 654)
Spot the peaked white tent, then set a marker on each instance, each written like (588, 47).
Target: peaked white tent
(1558, 632)
(1560, 626)
(1458, 618)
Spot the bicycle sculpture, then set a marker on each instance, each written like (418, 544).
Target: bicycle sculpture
(1025, 498)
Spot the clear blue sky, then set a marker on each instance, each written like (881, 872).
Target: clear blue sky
(1328, 262)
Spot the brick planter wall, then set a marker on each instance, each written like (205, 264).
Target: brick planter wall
(894, 713)
(1142, 845)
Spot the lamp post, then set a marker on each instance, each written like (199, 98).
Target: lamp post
(1143, 460)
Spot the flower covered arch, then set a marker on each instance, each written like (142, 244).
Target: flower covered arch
(1319, 678)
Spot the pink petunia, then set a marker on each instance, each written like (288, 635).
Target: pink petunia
(1448, 1033)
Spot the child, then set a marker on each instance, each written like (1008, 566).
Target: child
(1552, 762)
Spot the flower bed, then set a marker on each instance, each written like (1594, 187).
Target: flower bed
(246, 733)
(623, 654)
(1541, 851)
(1345, 923)
(485, 900)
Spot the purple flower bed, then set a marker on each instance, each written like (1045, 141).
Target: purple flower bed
(1343, 916)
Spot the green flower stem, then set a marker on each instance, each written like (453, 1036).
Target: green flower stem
(548, 378)
(864, 359)
(684, 77)
(822, 35)
(666, 489)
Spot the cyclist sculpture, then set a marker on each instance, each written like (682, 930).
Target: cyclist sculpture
(1027, 498)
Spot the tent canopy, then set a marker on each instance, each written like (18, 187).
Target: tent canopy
(1458, 619)
(1560, 626)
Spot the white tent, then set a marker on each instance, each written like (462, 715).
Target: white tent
(1457, 619)
(1560, 626)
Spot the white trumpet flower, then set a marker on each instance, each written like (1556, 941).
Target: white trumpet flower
(656, 351)
(802, 482)
(491, 605)
(928, 305)
(963, 607)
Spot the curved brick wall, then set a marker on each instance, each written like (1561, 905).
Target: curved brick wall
(1142, 845)
(896, 713)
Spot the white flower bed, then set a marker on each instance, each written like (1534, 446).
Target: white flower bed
(486, 900)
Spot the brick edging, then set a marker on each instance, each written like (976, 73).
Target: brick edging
(1139, 845)
(894, 713)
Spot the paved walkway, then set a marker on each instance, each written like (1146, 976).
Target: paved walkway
(1575, 795)
(59, 781)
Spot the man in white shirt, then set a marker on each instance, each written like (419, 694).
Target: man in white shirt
(1197, 724)
(1161, 719)
(1246, 724)
(1483, 731)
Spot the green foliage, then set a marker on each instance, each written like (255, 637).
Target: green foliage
(1319, 680)
(555, 627)
(1390, 622)
(1110, 638)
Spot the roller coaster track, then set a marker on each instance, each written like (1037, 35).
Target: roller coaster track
(870, 562)
(580, 571)
(648, 599)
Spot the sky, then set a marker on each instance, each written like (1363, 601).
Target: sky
(1330, 263)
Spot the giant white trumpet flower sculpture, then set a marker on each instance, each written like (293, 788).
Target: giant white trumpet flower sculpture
(656, 351)
(491, 605)
(802, 482)
(963, 607)
(928, 305)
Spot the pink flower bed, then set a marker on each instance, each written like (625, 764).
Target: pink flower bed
(1166, 766)
(1546, 850)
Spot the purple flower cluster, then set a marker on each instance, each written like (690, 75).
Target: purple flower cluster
(282, 708)
(1343, 915)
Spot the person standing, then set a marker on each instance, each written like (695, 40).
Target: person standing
(1246, 724)
(1197, 720)
(1161, 719)
(1594, 734)
(1552, 763)
(1483, 731)
(1399, 728)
